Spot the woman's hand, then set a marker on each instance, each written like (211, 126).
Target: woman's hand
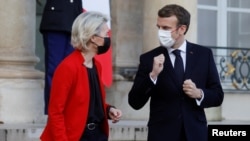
(115, 114)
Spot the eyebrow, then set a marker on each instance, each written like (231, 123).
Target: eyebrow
(163, 27)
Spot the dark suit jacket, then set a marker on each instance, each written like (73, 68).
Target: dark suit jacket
(169, 106)
(58, 15)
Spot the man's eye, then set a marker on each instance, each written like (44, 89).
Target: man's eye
(165, 28)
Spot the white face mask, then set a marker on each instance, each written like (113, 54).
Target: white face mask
(165, 38)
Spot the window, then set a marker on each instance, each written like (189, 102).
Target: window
(224, 26)
(224, 23)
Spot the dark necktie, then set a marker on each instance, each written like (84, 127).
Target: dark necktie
(178, 66)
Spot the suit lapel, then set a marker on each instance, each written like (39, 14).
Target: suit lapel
(190, 60)
(168, 64)
(170, 71)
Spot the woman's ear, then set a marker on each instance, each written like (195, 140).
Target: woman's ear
(93, 38)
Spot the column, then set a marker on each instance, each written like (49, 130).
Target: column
(127, 45)
(21, 85)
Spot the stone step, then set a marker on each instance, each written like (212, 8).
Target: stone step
(125, 130)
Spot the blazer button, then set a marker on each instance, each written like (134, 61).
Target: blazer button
(52, 8)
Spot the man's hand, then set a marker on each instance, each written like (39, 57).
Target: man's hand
(115, 114)
(190, 89)
(157, 66)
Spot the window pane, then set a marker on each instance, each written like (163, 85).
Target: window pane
(239, 3)
(208, 2)
(238, 31)
(207, 34)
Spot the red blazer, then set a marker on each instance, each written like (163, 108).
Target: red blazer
(69, 101)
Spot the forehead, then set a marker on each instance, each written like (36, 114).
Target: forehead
(167, 21)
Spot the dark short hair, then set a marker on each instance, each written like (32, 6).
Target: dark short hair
(182, 15)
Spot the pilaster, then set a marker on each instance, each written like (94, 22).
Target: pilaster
(21, 85)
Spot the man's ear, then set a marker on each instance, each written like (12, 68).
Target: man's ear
(183, 29)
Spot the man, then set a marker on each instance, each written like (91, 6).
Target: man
(179, 87)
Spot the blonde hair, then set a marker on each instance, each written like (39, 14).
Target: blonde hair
(85, 26)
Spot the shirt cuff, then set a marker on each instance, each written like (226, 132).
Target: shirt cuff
(108, 109)
(154, 81)
(198, 101)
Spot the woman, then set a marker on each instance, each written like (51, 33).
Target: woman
(77, 107)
